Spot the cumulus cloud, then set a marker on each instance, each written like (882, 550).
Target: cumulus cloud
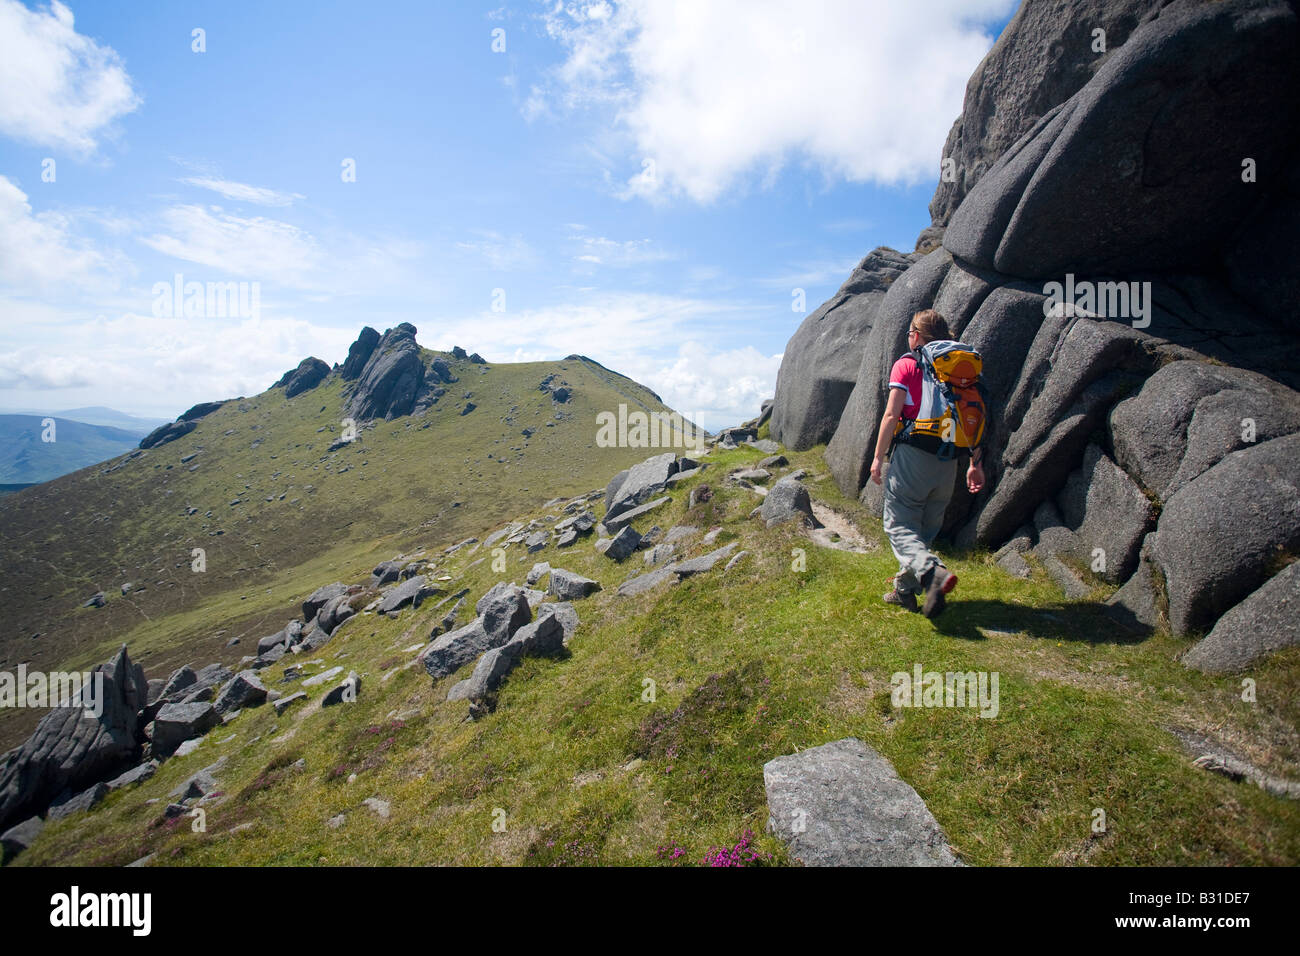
(498, 252)
(708, 93)
(61, 88)
(657, 340)
(39, 253)
(165, 364)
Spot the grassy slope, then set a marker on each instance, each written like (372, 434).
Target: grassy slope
(406, 483)
(749, 664)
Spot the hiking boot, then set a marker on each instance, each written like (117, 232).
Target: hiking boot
(937, 582)
(905, 599)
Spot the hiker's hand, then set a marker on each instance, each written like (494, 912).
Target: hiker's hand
(975, 478)
(876, 474)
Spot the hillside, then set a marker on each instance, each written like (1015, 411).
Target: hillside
(644, 740)
(256, 486)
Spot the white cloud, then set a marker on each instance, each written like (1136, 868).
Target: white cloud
(653, 339)
(242, 192)
(162, 365)
(257, 248)
(500, 253)
(709, 93)
(39, 254)
(61, 89)
(601, 251)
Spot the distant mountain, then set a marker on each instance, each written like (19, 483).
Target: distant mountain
(95, 415)
(26, 456)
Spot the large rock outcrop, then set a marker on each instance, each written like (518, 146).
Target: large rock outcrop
(392, 379)
(1114, 251)
(70, 751)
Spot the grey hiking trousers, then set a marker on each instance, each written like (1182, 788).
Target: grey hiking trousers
(918, 487)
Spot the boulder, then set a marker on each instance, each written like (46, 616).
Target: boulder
(284, 703)
(537, 572)
(612, 525)
(1153, 433)
(820, 364)
(543, 637)
(642, 482)
(181, 678)
(565, 613)
(1220, 534)
(843, 804)
(177, 723)
(1266, 621)
(335, 612)
(319, 598)
(347, 692)
(19, 838)
(385, 573)
(95, 600)
(70, 751)
(82, 802)
(567, 586)
(502, 611)
(201, 410)
(310, 372)
(787, 499)
(623, 544)
(242, 690)
(138, 774)
(412, 591)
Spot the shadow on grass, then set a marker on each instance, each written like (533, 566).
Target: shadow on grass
(1092, 623)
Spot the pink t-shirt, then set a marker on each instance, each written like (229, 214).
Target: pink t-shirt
(906, 374)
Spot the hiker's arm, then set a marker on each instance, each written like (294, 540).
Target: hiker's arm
(893, 412)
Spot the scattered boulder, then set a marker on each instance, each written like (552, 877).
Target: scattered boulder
(567, 586)
(19, 838)
(96, 600)
(135, 775)
(623, 544)
(177, 723)
(201, 410)
(82, 802)
(843, 804)
(412, 591)
(319, 598)
(346, 692)
(787, 499)
(502, 611)
(385, 573)
(242, 690)
(641, 482)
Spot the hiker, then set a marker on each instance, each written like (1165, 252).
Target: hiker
(924, 457)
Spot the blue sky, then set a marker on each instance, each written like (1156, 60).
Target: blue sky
(644, 183)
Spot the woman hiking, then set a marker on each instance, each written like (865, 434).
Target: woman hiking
(920, 482)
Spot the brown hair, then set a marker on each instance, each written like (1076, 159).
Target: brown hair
(931, 325)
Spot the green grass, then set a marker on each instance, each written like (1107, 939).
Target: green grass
(576, 766)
